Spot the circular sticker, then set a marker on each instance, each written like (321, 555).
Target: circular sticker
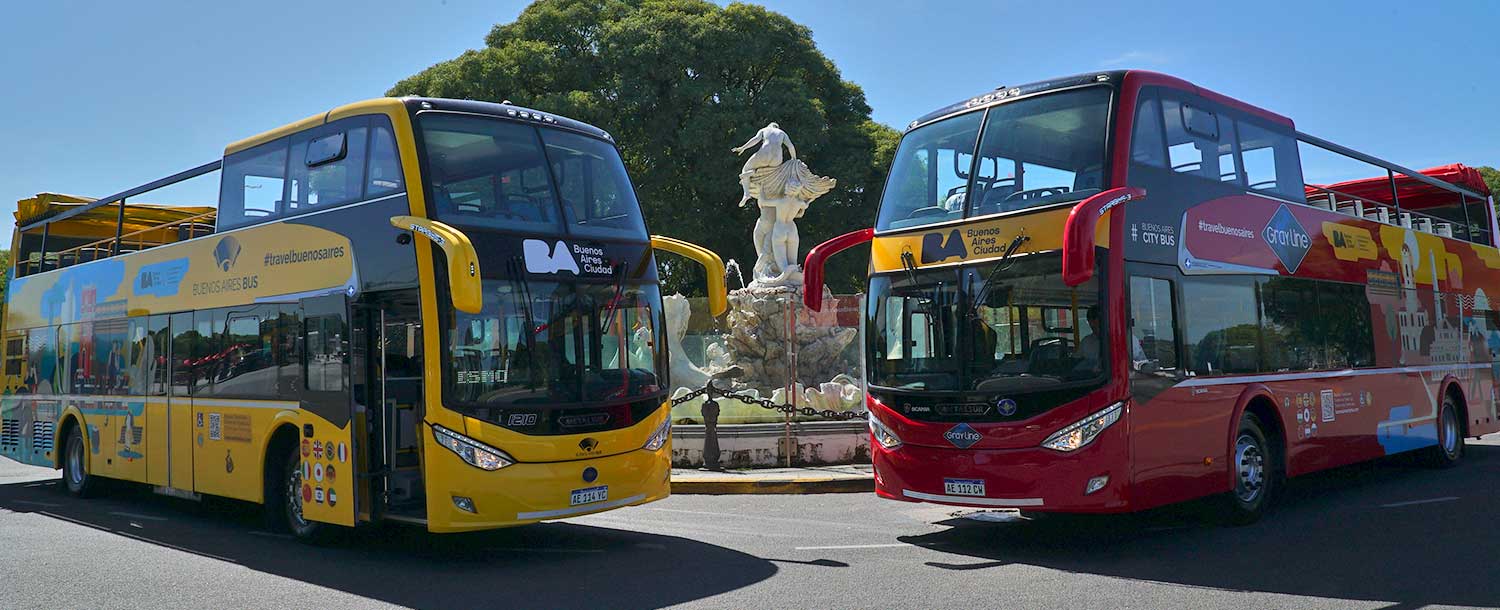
(328, 473)
(329, 449)
(306, 492)
(343, 453)
(333, 498)
(306, 470)
(306, 448)
(318, 472)
(1006, 407)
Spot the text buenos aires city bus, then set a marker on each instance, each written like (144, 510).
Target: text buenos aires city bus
(1114, 291)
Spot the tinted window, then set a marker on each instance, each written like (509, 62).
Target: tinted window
(324, 340)
(1147, 145)
(1154, 331)
(1345, 324)
(1293, 328)
(248, 367)
(330, 182)
(597, 198)
(252, 185)
(1195, 144)
(188, 348)
(107, 373)
(1048, 149)
(487, 172)
(929, 179)
(41, 361)
(1223, 330)
(1271, 163)
(384, 174)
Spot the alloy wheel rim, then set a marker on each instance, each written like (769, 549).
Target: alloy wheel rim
(1450, 432)
(294, 497)
(75, 463)
(1250, 464)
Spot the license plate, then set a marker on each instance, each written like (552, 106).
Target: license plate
(963, 487)
(590, 495)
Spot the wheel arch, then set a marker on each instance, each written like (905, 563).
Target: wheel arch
(283, 434)
(1260, 401)
(1451, 387)
(71, 418)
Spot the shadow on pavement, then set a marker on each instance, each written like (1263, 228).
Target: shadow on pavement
(546, 565)
(1330, 536)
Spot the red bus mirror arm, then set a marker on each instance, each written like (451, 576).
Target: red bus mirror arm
(812, 266)
(1078, 233)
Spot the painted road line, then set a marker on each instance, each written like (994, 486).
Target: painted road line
(42, 504)
(1416, 502)
(136, 516)
(840, 547)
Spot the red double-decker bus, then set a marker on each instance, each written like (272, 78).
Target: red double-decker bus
(1114, 291)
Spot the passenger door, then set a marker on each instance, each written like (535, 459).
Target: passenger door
(328, 439)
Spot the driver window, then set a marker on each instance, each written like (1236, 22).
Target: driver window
(1153, 331)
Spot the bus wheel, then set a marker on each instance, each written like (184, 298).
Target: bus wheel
(76, 478)
(1255, 468)
(288, 503)
(1450, 436)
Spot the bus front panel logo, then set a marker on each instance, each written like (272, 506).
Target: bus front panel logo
(962, 436)
(935, 249)
(541, 258)
(1287, 239)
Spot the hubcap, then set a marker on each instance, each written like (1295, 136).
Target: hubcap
(1450, 432)
(1250, 464)
(75, 463)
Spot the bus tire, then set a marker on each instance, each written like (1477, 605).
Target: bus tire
(1255, 465)
(1450, 435)
(76, 478)
(284, 499)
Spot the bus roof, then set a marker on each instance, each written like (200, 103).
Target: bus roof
(137, 215)
(1413, 193)
(418, 104)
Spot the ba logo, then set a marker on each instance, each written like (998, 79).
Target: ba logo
(1287, 239)
(588, 445)
(543, 259)
(962, 436)
(936, 250)
(226, 252)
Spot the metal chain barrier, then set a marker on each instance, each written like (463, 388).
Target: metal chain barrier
(766, 403)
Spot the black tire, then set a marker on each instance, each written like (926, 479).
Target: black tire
(1255, 468)
(1450, 431)
(283, 499)
(75, 460)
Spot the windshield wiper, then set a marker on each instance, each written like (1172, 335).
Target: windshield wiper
(614, 301)
(1000, 267)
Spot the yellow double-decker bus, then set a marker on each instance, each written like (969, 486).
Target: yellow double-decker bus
(431, 311)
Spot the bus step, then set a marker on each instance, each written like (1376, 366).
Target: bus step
(178, 493)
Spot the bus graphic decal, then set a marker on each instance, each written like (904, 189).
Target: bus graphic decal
(226, 252)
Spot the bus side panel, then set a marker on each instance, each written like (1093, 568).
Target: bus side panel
(227, 437)
(180, 445)
(1177, 444)
(126, 435)
(27, 429)
(328, 473)
(156, 442)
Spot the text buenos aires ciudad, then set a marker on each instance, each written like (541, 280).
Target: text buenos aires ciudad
(985, 240)
(592, 259)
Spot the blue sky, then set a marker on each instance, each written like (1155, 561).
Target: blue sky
(102, 96)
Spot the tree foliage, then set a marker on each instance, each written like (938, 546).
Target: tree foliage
(1491, 178)
(678, 83)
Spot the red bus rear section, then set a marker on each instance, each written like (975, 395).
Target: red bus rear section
(1038, 340)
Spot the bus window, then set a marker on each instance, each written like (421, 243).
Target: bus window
(252, 185)
(925, 186)
(1146, 144)
(1348, 336)
(1291, 321)
(321, 176)
(597, 198)
(1057, 142)
(1271, 163)
(465, 152)
(41, 361)
(384, 173)
(1223, 332)
(1153, 326)
(108, 374)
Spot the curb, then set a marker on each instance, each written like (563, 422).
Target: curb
(786, 486)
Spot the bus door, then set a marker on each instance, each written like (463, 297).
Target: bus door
(390, 383)
(328, 440)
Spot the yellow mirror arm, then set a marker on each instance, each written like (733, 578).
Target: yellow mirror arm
(718, 294)
(466, 290)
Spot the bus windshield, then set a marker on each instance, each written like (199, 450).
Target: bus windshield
(1034, 151)
(547, 343)
(1014, 330)
(501, 174)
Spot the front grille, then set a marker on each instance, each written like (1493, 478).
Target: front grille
(973, 407)
(555, 421)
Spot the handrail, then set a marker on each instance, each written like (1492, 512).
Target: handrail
(812, 266)
(718, 292)
(105, 245)
(115, 198)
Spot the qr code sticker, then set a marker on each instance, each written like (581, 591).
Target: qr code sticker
(214, 427)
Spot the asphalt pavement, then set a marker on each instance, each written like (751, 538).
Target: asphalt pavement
(1391, 534)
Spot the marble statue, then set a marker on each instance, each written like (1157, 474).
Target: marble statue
(783, 188)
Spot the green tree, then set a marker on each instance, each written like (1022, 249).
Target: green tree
(678, 83)
(1491, 178)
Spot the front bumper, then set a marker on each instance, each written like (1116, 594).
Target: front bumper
(532, 492)
(1030, 478)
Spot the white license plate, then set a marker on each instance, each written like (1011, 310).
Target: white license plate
(963, 487)
(589, 495)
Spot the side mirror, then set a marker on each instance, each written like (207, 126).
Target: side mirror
(718, 293)
(812, 266)
(464, 283)
(1078, 233)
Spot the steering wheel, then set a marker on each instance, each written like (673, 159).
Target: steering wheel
(1029, 194)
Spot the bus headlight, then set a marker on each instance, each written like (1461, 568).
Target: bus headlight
(1082, 432)
(660, 436)
(477, 454)
(882, 434)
